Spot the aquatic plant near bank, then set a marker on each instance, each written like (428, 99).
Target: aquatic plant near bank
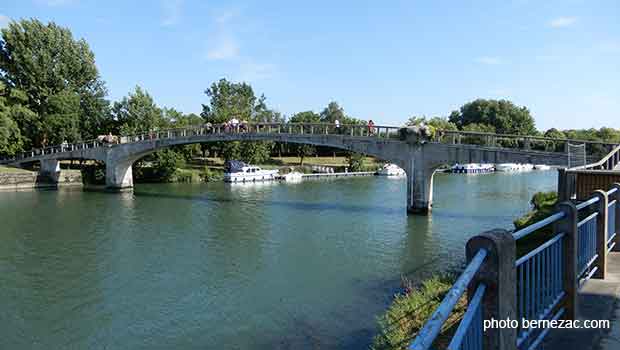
(410, 309)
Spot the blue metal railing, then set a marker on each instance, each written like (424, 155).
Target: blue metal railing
(540, 279)
(431, 329)
(469, 334)
(611, 224)
(539, 284)
(586, 253)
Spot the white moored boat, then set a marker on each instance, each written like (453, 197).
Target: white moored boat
(391, 170)
(542, 167)
(473, 168)
(237, 171)
(293, 176)
(509, 167)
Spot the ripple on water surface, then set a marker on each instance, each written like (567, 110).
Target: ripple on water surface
(257, 266)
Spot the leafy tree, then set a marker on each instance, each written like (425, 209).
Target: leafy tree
(63, 119)
(46, 64)
(355, 161)
(176, 119)
(303, 150)
(475, 127)
(436, 122)
(554, 134)
(228, 100)
(137, 113)
(504, 116)
(553, 146)
(166, 162)
(332, 112)
(10, 136)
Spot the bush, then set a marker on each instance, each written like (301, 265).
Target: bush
(184, 175)
(410, 310)
(543, 204)
(166, 164)
(355, 161)
(208, 175)
(93, 174)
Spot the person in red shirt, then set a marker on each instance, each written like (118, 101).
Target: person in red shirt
(371, 127)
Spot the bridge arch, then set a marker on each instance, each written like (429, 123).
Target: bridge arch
(120, 158)
(418, 156)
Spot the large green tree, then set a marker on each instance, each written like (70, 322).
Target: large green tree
(229, 100)
(504, 116)
(138, 113)
(440, 123)
(50, 68)
(303, 150)
(10, 136)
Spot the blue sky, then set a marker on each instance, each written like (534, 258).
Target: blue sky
(381, 60)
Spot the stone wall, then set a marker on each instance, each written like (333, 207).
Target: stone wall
(20, 181)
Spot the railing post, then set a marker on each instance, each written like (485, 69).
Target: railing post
(498, 273)
(568, 225)
(601, 233)
(616, 196)
(562, 185)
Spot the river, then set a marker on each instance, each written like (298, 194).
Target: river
(217, 266)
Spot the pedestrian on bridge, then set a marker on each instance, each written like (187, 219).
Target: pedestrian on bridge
(337, 122)
(371, 127)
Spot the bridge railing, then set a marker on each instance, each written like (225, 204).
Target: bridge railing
(576, 182)
(353, 130)
(561, 253)
(521, 141)
(37, 152)
(379, 131)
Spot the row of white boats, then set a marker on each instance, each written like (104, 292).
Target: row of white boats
(240, 172)
(481, 168)
(237, 171)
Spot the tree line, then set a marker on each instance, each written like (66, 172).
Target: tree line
(51, 92)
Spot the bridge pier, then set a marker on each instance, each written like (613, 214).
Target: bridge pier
(118, 175)
(50, 168)
(420, 190)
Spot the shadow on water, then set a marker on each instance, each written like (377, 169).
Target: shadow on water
(289, 204)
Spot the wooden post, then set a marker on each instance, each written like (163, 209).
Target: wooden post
(616, 196)
(498, 273)
(562, 186)
(601, 233)
(568, 225)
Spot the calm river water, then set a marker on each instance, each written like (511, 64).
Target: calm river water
(284, 266)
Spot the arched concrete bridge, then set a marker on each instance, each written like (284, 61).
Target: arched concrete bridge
(418, 156)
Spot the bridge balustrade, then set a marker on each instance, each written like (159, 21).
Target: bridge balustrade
(575, 242)
(352, 130)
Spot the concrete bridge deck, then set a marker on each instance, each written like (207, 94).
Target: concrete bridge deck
(418, 153)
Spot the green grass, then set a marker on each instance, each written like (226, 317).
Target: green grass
(327, 161)
(11, 170)
(410, 310)
(290, 161)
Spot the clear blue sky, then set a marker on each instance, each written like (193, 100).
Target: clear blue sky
(385, 60)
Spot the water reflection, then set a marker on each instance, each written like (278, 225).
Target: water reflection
(256, 266)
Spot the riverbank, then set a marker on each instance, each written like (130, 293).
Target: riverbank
(413, 306)
(15, 179)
